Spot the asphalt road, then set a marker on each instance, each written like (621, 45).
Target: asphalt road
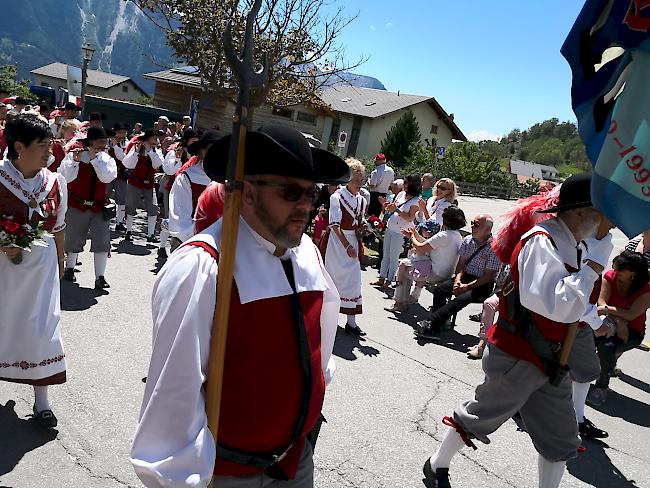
(383, 407)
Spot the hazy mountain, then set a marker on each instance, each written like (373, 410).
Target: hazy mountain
(39, 32)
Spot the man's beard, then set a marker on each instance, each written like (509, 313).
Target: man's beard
(280, 231)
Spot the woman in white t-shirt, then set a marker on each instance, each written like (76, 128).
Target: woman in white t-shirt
(403, 208)
(442, 249)
(445, 192)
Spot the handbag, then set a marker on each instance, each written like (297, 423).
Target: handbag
(109, 210)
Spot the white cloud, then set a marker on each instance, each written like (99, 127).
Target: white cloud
(389, 24)
(372, 27)
(482, 135)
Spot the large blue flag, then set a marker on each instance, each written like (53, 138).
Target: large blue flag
(608, 50)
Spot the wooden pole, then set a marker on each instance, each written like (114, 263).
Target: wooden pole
(243, 67)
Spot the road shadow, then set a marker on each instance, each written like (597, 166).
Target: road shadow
(626, 408)
(125, 247)
(19, 436)
(595, 468)
(636, 383)
(75, 298)
(451, 340)
(345, 344)
(411, 316)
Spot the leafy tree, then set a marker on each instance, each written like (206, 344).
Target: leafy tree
(9, 83)
(398, 144)
(294, 38)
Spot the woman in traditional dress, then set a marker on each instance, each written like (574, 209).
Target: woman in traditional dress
(342, 244)
(31, 351)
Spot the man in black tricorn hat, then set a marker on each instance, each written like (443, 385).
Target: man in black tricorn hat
(283, 319)
(553, 269)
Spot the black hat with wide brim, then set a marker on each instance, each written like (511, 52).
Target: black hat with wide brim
(280, 151)
(575, 192)
(94, 133)
(207, 138)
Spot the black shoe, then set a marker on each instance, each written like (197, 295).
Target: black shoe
(437, 479)
(68, 275)
(46, 419)
(476, 317)
(162, 253)
(101, 284)
(354, 330)
(120, 227)
(128, 237)
(589, 431)
(428, 330)
(152, 238)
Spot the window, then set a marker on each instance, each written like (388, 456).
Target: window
(283, 112)
(306, 117)
(334, 133)
(434, 129)
(125, 88)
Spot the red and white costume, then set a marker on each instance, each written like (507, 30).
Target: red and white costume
(31, 350)
(190, 182)
(262, 383)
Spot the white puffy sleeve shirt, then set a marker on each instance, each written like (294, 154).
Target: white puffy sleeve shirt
(105, 166)
(173, 446)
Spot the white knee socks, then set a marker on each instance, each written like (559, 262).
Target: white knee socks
(151, 225)
(352, 320)
(101, 259)
(164, 236)
(550, 473)
(71, 260)
(129, 223)
(41, 401)
(451, 444)
(580, 392)
(121, 209)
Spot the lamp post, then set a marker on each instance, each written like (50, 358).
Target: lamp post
(88, 52)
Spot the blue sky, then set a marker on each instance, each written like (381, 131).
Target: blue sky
(495, 64)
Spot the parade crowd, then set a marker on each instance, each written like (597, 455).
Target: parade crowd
(65, 181)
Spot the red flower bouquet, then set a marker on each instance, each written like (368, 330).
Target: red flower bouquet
(13, 234)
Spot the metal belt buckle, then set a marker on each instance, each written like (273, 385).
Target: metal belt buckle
(277, 459)
(146, 182)
(508, 289)
(88, 203)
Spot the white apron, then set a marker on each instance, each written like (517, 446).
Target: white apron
(30, 311)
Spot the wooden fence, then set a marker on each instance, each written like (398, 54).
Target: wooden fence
(491, 191)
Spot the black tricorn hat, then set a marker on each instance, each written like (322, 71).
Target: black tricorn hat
(94, 133)
(120, 126)
(150, 133)
(189, 134)
(96, 116)
(207, 138)
(575, 192)
(71, 106)
(281, 151)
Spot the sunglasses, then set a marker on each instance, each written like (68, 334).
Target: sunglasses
(475, 223)
(292, 192)
(443, 187)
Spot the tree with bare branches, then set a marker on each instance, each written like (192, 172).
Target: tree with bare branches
(298, 37)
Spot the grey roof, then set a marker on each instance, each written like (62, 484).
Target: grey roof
(100, 79)
(372, 103)
(177, 76)
(530, 169)
(368, 102)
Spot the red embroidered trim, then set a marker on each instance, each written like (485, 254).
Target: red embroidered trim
(353, 211)
(450, 422)
(17, 186)
(28, 365)
(351, 299)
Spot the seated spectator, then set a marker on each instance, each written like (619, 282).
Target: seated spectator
(474, 281)
(427, 186)
(444, 196)
(624, 298)
(432, 257)
(640, 244)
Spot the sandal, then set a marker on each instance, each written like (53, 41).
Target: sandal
(46, 418)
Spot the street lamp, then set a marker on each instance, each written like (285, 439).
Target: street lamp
(88, 52)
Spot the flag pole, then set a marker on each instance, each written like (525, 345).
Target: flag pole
(243, 66)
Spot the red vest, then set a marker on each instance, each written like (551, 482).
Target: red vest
(86, 192)
(514, 344)
(197, 188)
(59, 153)
(263, 380)
(10, 204)
(142, 176)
